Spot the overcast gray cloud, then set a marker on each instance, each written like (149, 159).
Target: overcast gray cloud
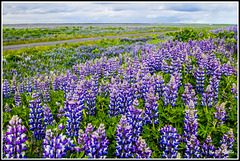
(119, 12)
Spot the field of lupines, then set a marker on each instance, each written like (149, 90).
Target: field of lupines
(172, 99)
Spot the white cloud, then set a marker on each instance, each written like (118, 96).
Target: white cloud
(117, 12)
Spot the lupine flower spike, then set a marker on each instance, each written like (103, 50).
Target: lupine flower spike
(15, 138)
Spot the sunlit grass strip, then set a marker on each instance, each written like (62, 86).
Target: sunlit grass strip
(70, 37)
(37, 49)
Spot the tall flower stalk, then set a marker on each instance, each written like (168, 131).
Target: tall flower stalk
(124, 138)
(169, 141)
(15, 138)
(190, 132)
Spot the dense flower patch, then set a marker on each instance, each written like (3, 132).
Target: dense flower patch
(172, 99)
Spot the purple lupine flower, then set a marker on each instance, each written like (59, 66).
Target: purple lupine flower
(172, 67)
(123, 138)
(35, 95)
(15, 138)
(35, 119)
(142, 150)
(4, 142)
(88, 131)
(82, 142)
(221, 152)
(227, 69)
(18, 101)
(214, 82)
(91, 102)
(157, 61)
(139, 89)
(160, 85)
(7, 108)
(36, 85)
(178, 79)
(13, 89)
(56, 84)
(134, 118)
(188, 67)
(212, 66)
(113, 106)
(6, 89)
(81, 92)
(169, 141)
(200, 76)
(234, 91)
(207, 148)
(165, 67)
(190, 132)
(46, 96)
(125, 98)
(207, 97)
(61, 112)
(192, 147)
(73, 114)
(21, 88)
(98, 145)
(218, 72)
(29, 87)
(54, 146)
(228, 139)
(103, 92)
(170, 92)
(179, 67)
(47, 115)
(189, 94)
(220, 114)
(95, 81)
(151, 109)
(46, 85)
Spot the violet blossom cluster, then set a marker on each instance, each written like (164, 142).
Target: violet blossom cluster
(151, 109)
(170, 92)
(124, 138)
(228, 139)
(142, 151)
(190, 132)
(124, 98)
(169, 141)
(208, 148)
(47, 115)
(189, 94)
(55, 145)
(214, 82)
(84, 139)
(220, 114)
(200, 77)
(6, 89)
(207, 97)
(98, 144)
(160, 85)
(14, 139)
(113, 105)
(7, 108)
(134, 118)
(91, 102)
(221, 152)
(73, 113)
(227, 69)
(35, 118)
(17, 98)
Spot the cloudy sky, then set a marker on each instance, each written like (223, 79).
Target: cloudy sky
(120, 12)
